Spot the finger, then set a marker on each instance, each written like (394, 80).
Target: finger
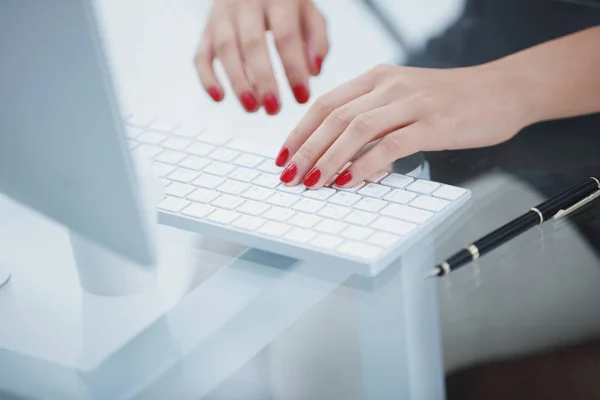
(305, 159)
(203, 61)
(284, 20)
(314, 29)
(228, 51)
(320, 110)
(365, 128)
(393, 146)
(251, 31)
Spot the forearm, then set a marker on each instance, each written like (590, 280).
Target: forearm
(556, 79)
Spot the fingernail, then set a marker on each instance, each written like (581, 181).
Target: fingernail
(215, 93)
(301, 93)
(312, 177)
(344, 178)
(282, 157)
(249, 102)
(271, 103)
(289, 173)
(319, 63)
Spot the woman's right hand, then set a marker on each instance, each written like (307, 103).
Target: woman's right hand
(235, 34)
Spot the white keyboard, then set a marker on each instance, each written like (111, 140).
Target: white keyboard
(229, 188)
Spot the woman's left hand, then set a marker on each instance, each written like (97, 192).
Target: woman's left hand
(405, 110)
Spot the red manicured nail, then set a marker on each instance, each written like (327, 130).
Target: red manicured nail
(289, 173)
(271, 103)
(301, 93)
(313, 177)
(319, 63)
(249, 102)
(344, 178)
(215, 93)
(282, 157)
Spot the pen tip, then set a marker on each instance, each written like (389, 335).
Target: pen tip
(432, 274)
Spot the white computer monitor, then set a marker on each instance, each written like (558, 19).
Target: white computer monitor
(62, 151)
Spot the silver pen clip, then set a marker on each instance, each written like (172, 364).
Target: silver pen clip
(563, 213)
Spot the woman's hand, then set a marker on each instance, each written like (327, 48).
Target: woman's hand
(235, 34)
(407, 110)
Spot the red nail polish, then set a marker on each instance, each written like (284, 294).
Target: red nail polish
(344, 178)
(249, 102)
(319, 63)
(271, 103)
(215, 93)
(289, 173)
(312, 178)
(282, 157)
(301, 93)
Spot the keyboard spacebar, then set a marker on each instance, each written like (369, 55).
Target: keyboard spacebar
(268, 150)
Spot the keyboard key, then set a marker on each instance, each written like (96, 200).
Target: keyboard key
(377, 176)
(133, 131)
(203, 196)
(248, 223)
(429, 203)
(224, 155)
(163, 125)
(178, 189)
(383, 239)
(214, 137)
(140, 119)
(183, 175)
(298, 189)
(304, 220)
(361, 250)
(233, 187)
(269, 167)
(279, 214)
(248, 160)
(176, 143)
(357, 233)
(195, 163)
(448, 192)
(309, 206)
(258, 193)
(330, 226)
(267, 180)
(253, 207)
(392, 225)
(200, 149)
(360, 218)
(161, 169)
(228, 202)
(219, 168)
(170, 157)
(188, 131)
(407, 213)
(344, 199)
(283, 199)
(244, 174)
(334, 211)
(423, 187)
(208, 181)
(147, 151)
(300, 235)
(173, 204)
(198, 210)
(268, 150)
(327, 242)
(152, 137)
(397, 181)
(319, 194)
(400, 196)
(352, 189)
(223, 216)
(374, 190)
(276, 229)
(371, 205)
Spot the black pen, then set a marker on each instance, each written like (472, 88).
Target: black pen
(555, 208)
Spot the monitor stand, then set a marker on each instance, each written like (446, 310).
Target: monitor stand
(104, 273)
